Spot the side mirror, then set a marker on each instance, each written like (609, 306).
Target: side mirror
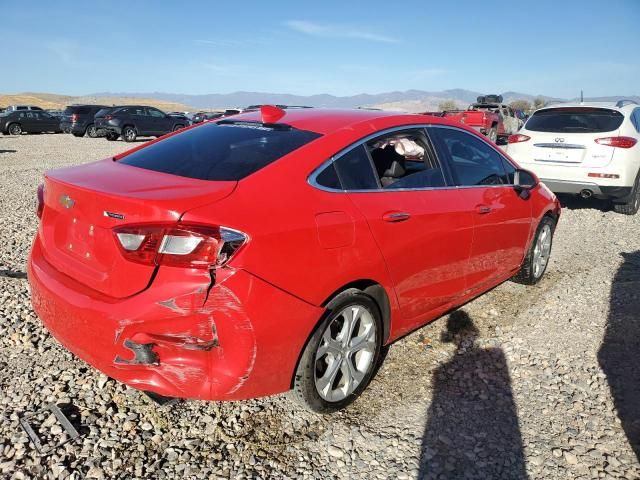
(523, 181)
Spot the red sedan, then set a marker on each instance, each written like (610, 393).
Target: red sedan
(280, 249)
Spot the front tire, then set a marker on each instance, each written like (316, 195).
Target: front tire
(129, 134)
(493, 135)
(15, 129)
(537, 258)
(342, 355)
(632, 206)
(178, 127)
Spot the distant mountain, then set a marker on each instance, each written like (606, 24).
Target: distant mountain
(409, 100)
(241, 99)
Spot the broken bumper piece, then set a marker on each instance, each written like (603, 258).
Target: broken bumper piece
(185, 336)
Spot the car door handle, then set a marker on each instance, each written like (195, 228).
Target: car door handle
(482, 209)
(396, 217)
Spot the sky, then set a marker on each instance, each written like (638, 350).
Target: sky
(341, 47)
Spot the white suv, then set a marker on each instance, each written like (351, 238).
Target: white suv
(584, 148)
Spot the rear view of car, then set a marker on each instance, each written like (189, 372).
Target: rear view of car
(584, 149)
(79, 120)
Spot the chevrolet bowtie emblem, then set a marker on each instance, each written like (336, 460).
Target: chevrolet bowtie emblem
(66, 201)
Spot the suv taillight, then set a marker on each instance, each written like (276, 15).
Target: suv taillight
(618, 142)
(517, 138)
(179, 245)
(40, 207)
(108, 117)
(74, 117)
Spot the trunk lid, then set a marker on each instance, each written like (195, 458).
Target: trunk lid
(83, 204)
(571, 149)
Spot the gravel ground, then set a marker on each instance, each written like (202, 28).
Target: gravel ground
(525, 382)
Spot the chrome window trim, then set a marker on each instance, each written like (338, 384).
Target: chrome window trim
(312, 178)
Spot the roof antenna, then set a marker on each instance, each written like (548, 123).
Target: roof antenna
(581, 97)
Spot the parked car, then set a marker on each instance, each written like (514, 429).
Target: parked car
(184, 118)
(203, 116)
(489, 116)
(279, 250)
(28, 121)
(132, 121)
(79, 120)
(15, 108)
(590, 149)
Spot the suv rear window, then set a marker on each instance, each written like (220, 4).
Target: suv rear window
(575, 120)
(219, 151)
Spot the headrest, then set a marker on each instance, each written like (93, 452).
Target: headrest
(395, 170)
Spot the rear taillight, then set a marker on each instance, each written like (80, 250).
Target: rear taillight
(108, 117)
(74, 117)
(618, 142)
(177, 245)
(517, 138)
(40, 206)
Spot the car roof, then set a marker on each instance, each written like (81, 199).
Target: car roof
(325, 120)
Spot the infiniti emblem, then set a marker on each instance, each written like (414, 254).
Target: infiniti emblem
(66, 201)
(559, 140)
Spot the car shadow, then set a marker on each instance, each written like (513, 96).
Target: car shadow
(575, 202)
(619, 354)
(472, 426)
(8, 151)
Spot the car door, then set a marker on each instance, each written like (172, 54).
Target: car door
(141, 120)
(29, 121)
(46, 122)
(502, 217)
(417, 220)
(159, 121)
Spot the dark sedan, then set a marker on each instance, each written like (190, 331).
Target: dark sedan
(28, 121)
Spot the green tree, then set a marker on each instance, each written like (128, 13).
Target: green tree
(448, 105)
(523, 105)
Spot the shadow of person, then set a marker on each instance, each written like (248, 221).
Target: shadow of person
(619, 354)
(472, 424)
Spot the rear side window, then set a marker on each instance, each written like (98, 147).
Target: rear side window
(219, 152)
(575, 120)
(355, 170)
(103, 111)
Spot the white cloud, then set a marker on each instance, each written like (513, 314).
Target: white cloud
(337, 31)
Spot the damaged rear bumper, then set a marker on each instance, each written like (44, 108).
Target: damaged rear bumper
(187, 335)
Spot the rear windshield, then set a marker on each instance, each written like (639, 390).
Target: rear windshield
(219, 152)
(575, 120)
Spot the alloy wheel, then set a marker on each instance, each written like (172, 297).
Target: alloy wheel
(15, 130)
(346, 353)
(541, 251)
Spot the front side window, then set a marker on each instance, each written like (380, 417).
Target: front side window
(473, 162)
(219, 152)
(575, 120)
(155, 113)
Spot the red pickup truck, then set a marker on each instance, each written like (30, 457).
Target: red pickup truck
(489, 116)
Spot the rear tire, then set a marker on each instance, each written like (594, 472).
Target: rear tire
(92, 131)
(537, 258)
(15, 129)
(129, 134)
(632, 206)
(492, 135)
(178, 127)
(342, 354)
